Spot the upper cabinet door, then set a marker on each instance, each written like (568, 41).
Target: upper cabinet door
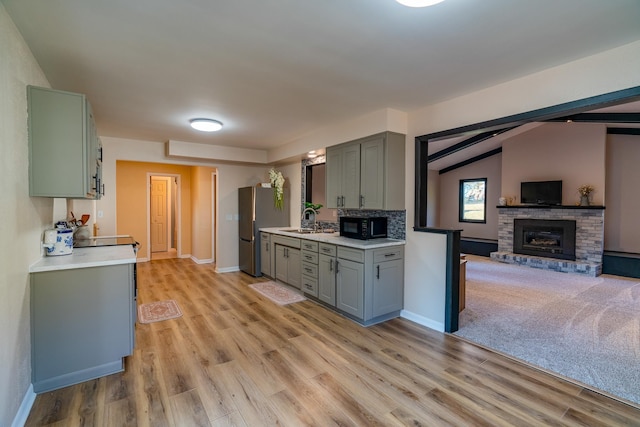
(351, 176)
(372, 173)
(64, 150)
(333, 188)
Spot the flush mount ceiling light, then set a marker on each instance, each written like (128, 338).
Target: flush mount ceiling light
(419, 3)
(206, 125)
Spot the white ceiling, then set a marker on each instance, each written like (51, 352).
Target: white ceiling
(274, 70)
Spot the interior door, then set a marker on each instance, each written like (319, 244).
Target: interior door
(159, 215)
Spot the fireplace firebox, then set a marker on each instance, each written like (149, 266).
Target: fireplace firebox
(546, 238)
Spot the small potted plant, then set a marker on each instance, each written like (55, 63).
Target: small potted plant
(585, 191)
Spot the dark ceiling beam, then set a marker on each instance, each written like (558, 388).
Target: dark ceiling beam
(542, 114)
(471, 160)
(623, 131)
(465, 144)
(600, 118)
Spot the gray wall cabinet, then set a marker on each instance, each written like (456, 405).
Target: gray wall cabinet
(82, 324)
(65, 154)
(367, 173)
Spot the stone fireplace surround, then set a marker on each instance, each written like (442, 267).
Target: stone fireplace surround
(589, 237)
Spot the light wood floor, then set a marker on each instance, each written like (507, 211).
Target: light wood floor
(236, 358)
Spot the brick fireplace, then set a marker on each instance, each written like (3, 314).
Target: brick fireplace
(589, 237)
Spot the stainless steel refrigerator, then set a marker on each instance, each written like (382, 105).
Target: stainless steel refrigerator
(256, 210)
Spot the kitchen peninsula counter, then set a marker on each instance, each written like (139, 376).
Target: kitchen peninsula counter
(336, 239)
(86, 257)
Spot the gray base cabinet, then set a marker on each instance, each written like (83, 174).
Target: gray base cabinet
(327, 274)
(370, 283)
(82, 324)
(265, 254)
(350, 287)
(286, 264)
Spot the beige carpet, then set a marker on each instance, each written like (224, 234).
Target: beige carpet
(585, 328)
(158, 311)
(278, 293)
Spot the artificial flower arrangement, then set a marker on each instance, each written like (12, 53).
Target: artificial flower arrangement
(585, 190)
(277, 182)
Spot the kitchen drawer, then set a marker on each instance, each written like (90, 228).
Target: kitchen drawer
(308, 245)
(387, 254)
(355, 255)
(310, 285)
(311, 257)
(265, 237)
(310, 270)
(328, 249)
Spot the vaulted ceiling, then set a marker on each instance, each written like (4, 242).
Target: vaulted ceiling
(274, 70)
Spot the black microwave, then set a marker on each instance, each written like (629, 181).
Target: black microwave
(357, 227)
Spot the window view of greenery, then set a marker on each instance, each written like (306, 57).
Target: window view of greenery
(473, 207)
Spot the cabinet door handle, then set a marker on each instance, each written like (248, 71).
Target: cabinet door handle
(337, 268)
(337, 201)
(361, 201)
(378, 271)
(330, 265)
(343, 201)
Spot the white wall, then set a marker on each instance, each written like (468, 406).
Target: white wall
(23, 218)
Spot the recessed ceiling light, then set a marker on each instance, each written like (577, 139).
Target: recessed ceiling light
(419, 3)
(206, 125)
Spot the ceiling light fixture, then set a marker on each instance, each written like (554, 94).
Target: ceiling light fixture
(206, 125)
(419, 3)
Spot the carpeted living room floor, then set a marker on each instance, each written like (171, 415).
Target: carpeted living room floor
(583, 328)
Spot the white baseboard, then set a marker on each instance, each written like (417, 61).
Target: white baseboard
(25, 408)
(227, 269)
(185, 256)
(202, 261)
(141, 259)
(421, 320)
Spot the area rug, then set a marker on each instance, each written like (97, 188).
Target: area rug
(277, 293)
(584, 328)
(158, 311)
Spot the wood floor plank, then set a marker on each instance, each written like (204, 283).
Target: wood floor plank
(236, 358)
(188, 410)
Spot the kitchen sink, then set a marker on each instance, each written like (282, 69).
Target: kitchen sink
(300, 230)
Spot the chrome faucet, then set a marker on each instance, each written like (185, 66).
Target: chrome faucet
(315, 214)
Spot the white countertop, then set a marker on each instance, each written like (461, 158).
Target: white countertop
(86, 257)
(336, 239)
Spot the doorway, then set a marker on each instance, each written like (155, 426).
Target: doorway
(163, 190)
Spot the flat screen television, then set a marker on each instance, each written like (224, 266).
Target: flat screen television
(541, 193)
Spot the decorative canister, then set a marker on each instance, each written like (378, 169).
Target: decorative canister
(58, 241)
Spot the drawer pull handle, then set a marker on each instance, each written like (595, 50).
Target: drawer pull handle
(308, 270)
(388, 255)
